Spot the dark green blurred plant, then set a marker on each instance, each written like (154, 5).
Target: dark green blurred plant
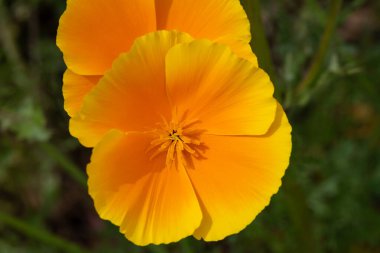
(323, 57)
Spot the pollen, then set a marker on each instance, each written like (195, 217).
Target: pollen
(180, 140)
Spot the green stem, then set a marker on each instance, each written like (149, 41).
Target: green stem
(6, 37)
(259, 41)
(40, 235)
(70, 168)
(324, 44)
(300, 216)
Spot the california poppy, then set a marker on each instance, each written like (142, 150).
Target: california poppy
(93, 33)
(188, 140)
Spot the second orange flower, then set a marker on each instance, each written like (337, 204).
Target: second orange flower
(93, 33)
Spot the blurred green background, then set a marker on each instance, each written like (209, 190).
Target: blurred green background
(330, 198)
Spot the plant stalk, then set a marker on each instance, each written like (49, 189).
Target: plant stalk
(259, 40)
(39, 234)
(320, 56)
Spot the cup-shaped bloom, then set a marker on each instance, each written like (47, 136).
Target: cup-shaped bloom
(93, 33)
(188, 140)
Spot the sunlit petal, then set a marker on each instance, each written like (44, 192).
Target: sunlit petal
(150, 203)
(238, 176)
(229, 95)
(132, 95)
(92, 33)
(219, 20)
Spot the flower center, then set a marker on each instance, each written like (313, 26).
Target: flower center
(180, 141)
(174, 136)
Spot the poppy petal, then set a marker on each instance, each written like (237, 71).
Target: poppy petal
(241, 49)
(92, 33)
(150, 203)
(132, 95)
(238, 176)
(229, 95)
(221, 20)
(75, 87)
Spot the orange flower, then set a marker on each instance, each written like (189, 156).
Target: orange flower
(189, 140)
(93, 33)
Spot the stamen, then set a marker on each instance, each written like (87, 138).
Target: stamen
(180, 145)
(191, 123)
(162, 148)
(180, 158)
(175, 138)
(158, 141)
(188, 149)
(170, 154)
